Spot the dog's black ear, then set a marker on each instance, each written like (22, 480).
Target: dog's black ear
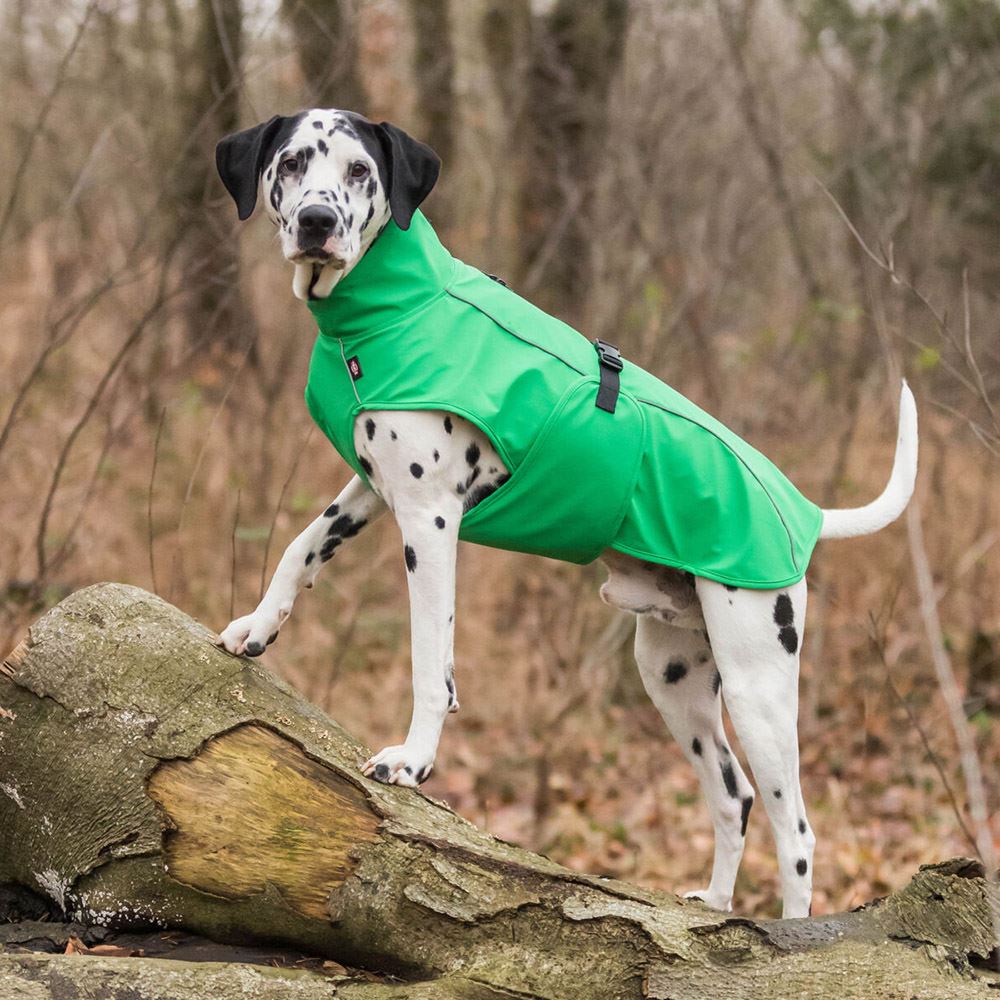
(240, 158)
(409, 170)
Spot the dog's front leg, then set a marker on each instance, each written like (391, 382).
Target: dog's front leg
(354, 508)
(430, 543)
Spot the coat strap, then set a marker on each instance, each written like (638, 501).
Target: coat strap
(610, 365)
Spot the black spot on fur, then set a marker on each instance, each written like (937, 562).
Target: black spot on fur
(370, 428)
(676, 670)
(732, 590)
(729, 778)
(703, 658)
(310, 557)
(716, 682)
(392, 435)
(437, 455)
(410, 556)
(802, 826)
(381, 772)
(447, 424)
(416, 470)
(696, 746)
(322, 147)
(345, 527)
(784, 613)
(472, 453)
(745, 814)
(480, 493)
(366, 465)
(802, 866)
(439, 521)
(459, 488)
(317, 124)
(789, 638)
(329, 547)
(331, 511)
(777, 793)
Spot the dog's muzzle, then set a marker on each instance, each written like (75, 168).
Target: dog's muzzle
(316, 224)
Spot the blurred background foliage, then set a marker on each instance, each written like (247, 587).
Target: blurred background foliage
(779, 206)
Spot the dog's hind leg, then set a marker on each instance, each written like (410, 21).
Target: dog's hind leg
(756, 636)
(679, 675)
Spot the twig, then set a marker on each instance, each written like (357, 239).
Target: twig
(43, 114)
(975, 789)
(161, 297)
(879, 646)
(232, 567)
(277, 508)
(149, 499)
(885, 260)
(200, 456)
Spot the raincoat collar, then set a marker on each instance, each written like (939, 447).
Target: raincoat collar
(402, 272)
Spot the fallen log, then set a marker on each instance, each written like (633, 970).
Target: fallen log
(149, 779)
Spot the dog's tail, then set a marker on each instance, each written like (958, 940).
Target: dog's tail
(876, 515)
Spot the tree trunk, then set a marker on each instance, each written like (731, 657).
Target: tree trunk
(209, 100)
(326, 40)
(149, 778)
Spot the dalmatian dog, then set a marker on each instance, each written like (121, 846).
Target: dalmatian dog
(328, 180)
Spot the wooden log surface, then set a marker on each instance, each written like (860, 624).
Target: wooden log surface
(150, 780)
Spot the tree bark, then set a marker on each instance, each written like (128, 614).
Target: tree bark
(326, 40)
(147, 778)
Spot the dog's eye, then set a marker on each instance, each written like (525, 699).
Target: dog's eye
(359, 170)
(289, 165)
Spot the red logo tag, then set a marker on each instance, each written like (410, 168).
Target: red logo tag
(354, 367)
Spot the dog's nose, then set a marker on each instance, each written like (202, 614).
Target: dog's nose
(316, 223)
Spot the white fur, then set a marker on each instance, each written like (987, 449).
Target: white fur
(325, 171)
(886, 508)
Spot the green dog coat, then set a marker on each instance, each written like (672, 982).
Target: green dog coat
(412, 328)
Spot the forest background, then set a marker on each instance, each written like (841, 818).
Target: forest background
(778, 206)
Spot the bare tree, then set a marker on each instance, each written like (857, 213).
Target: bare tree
(326, 39)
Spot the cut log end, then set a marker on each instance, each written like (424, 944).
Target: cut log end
(251, 809)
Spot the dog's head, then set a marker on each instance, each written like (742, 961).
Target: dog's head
(330, 180)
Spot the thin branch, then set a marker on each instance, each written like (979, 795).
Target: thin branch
(885, 260)
(277, 508)
(43, 114)
(200, 457)
(109, 373)
(232, 567)
(968, 756)
(149, 499)
(879, 646)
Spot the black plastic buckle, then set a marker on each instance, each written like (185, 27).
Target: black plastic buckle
(611, 364)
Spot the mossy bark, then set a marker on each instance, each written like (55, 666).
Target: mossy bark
(147, 778)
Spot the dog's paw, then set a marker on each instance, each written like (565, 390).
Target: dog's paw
(251, 634)
(715, 901)
(398, 766)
